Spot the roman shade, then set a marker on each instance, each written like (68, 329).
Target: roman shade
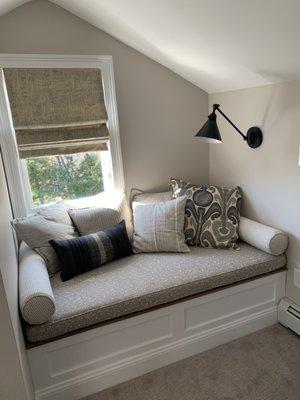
(57, 110)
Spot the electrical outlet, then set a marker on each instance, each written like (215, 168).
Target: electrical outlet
(297, 277)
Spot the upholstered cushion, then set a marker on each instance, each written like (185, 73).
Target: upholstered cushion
(263, 237)
(111, 209)
(159, 227)
(144, 280)
(36, 297)
(36, 231)
(212, 214)
(56, 212)
(149, 198)
(84, 253)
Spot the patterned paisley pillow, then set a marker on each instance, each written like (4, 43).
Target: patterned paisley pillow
(212, 214)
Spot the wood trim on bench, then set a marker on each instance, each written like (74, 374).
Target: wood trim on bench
(30, 345)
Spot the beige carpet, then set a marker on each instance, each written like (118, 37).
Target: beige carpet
(262, 366)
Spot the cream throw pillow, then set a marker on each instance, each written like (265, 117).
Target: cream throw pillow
(158, 227)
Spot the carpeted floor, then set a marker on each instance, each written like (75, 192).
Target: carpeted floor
(262, 366)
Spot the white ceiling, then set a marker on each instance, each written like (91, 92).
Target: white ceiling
(217, 44)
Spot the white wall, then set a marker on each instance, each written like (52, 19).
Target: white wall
(159, 111)
(15, 381)
(269, 175)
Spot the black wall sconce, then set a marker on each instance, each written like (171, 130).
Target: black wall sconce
(210, 131)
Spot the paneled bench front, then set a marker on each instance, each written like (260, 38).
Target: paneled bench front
(146, 311)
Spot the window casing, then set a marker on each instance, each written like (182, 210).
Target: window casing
(16, 169)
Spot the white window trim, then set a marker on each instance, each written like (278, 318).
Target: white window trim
(16, 178)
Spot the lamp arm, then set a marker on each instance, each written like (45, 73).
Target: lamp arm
(217, 107)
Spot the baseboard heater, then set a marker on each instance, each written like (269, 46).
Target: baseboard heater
(289, 315)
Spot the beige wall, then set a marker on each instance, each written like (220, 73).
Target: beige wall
(15, 381)
(269, 175)
(159, 111)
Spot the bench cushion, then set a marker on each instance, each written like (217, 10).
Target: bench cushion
(143, 281)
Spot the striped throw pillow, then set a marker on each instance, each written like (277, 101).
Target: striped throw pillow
(110, 210)
(84, 253)
(158, 227)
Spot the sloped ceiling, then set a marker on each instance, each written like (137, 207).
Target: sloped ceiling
(218, 45)
(8, 5)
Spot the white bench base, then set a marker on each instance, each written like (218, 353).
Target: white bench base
(85, 363)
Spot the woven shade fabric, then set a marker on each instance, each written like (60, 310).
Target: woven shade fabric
(57, 111)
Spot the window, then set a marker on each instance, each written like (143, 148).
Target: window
(74, 160)
(72, 176)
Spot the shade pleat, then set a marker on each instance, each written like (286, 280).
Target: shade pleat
(57, 111)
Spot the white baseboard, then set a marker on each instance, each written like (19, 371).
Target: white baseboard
(177, 332)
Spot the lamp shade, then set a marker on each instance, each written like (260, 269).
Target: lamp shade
(210, 131)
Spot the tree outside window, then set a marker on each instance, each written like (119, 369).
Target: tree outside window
(64, 176)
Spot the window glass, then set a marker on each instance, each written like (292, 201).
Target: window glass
(71, 176)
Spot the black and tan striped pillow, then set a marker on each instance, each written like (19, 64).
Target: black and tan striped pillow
(84, 253)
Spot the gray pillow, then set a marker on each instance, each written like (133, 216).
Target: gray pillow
(109, 213)
(158, 227)
(212, 214)
(37, 230)
(57, 212)
(149, 197)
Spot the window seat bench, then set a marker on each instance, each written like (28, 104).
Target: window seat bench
(144, 281)
(146, 311)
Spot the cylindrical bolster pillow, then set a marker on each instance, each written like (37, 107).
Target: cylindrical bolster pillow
(263, 237)
(36, 297)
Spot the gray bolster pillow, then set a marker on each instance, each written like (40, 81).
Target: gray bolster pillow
(36, 297)
(263, 237)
